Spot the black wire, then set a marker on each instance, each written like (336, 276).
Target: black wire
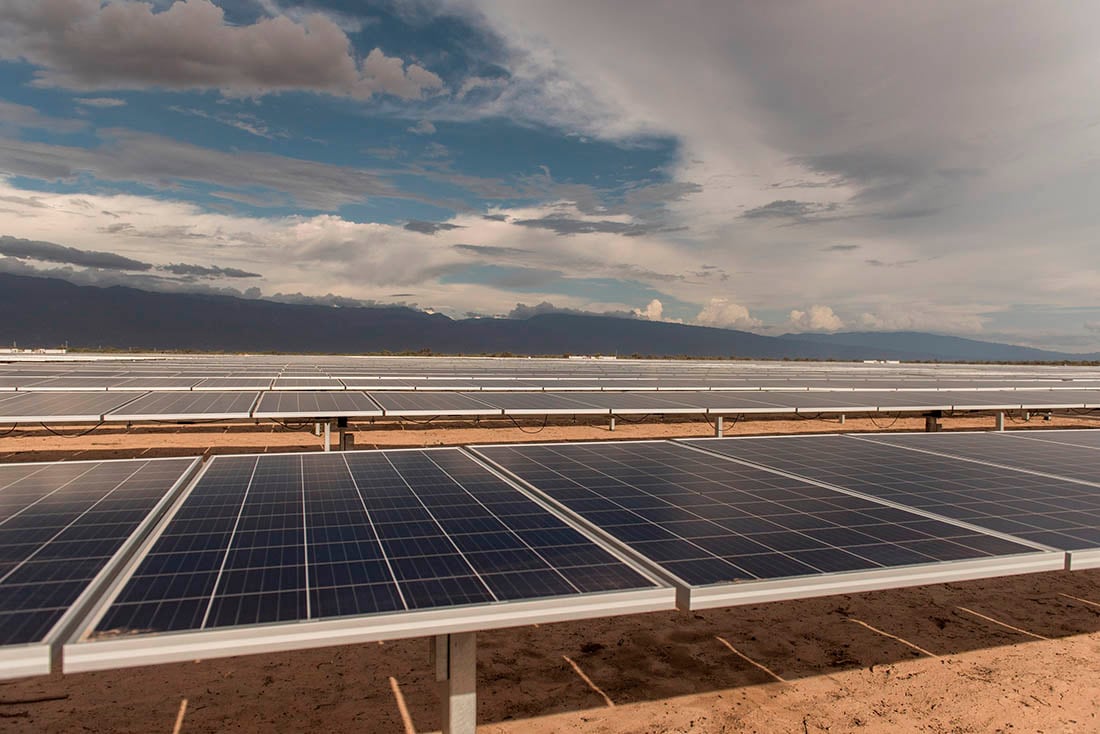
(71, 435)
(10, 430)
(883, 428)
(299, 427)
(643, 419)
(545, 420)
(418, 423)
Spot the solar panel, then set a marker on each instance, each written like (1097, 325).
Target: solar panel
(1086, 438)
(1038, 509)
(636, 403)
(731, 533)
(307, 383)
(539, 403)
(55, 407)
(431, 403)
(187, 405)
(330, 404)
(157, 383)
(234, 383)
(1071, 462)
(289, 551)
(64, 529)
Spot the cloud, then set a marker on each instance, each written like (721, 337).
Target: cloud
(725, 314)
(28, 118)
(50, 252)
(241, 121)
(567, 226)
(424, 127)
(875, 263)
(493, 251)
(523, 311)
(815, 318)
(654, 311)
(160, 162)
(79, 44)
(419, 225)
(1093, 326)
(101, 102)
(840, 248)
(200, 271)
(921, 317)
(788, 209)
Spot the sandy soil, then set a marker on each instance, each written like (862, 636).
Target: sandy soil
(32, 443)
(1018, 654)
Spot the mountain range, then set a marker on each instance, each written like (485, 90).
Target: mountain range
(50, 312)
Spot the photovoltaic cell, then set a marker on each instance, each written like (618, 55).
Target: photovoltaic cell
(709, 521)
(315, 537)
(1088, 439)
(60, 527)
(1054, 512)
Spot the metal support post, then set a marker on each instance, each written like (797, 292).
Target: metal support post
(718, 427)
(1027, 416)
(317, 429)
(612, 427)
(328, 436)
(1000, 420)
(455, 660)
(932, 421)
(843, 418)
(343, 438)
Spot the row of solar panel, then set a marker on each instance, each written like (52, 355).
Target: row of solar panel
(94, 407)
(130, 562)
(39, 383)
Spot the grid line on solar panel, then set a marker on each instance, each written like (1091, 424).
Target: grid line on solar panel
(708, 520)
(1070, 463)
(61, 527)
(182, 405)
(44, 407)
(319, 536)
(1087, 438)
(1035, 509)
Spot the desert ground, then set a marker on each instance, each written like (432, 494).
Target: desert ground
(1017, 654)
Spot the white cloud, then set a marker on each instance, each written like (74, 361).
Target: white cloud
(919, 317)
(81, 44)
(424, 127)
(815, 318)
(102, 102)
(654, 311)
(724, 314)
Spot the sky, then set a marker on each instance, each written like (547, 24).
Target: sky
(773, 167)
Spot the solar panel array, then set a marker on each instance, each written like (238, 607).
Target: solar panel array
(60, 527)
(277, 552)
(709, 521)
(297, 538)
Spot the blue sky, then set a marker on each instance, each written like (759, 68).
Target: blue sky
(799, 167)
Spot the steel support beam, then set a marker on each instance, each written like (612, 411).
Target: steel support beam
(718, 427)
(455, 661)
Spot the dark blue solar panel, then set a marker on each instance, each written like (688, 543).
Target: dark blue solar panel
(60, 525)
(1072, 462)
(316, 536)
(1054, 512)
(709, 520)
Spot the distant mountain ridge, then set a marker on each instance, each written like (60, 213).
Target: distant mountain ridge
(49, 312)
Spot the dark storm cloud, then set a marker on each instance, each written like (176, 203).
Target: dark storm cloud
(54, 253)
(213, 271)
(788, 209)
(419, 225)
(568, 226)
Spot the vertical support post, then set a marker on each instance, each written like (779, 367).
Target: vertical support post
(1000, 420)
(718, 427)
(932, 422)
(843, 418)
(328, 436)
(454, 658)
(343, 438)
(1027, 416)
(317, 429)
(612, 427)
